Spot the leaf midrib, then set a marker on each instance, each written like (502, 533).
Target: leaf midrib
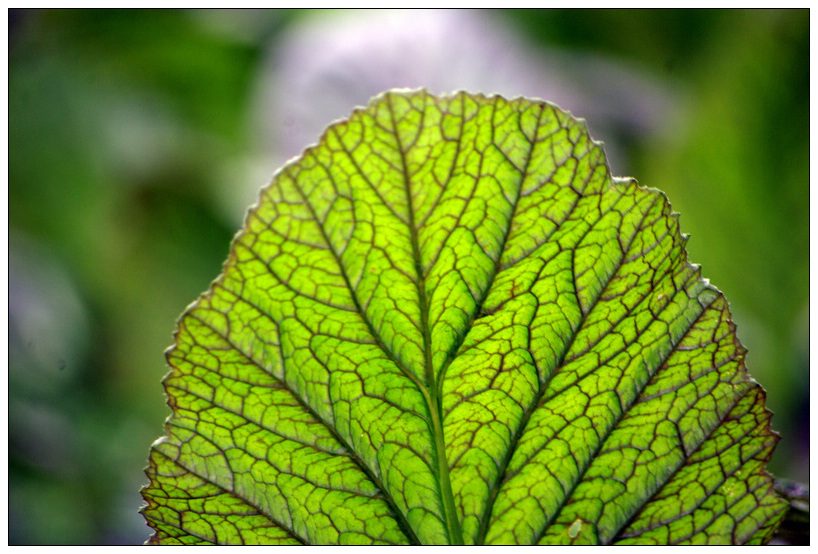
(430, 391)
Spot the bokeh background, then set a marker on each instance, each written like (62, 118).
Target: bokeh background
(137, 139)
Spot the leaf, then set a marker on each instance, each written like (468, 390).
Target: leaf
(447, 323)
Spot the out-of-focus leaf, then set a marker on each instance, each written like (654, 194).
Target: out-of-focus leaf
(447, 323)
(794, 528)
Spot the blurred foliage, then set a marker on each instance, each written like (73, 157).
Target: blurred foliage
(127, 130)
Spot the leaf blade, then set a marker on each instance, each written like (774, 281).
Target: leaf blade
(447, 323)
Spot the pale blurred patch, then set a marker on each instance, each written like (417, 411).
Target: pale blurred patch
(328, 63)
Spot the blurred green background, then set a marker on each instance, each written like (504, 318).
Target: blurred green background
(138, 138)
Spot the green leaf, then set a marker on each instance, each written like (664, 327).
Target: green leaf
(447, 323)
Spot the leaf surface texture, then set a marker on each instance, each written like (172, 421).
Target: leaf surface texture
(447, 323)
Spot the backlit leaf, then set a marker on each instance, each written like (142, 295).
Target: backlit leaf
(447, 323)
